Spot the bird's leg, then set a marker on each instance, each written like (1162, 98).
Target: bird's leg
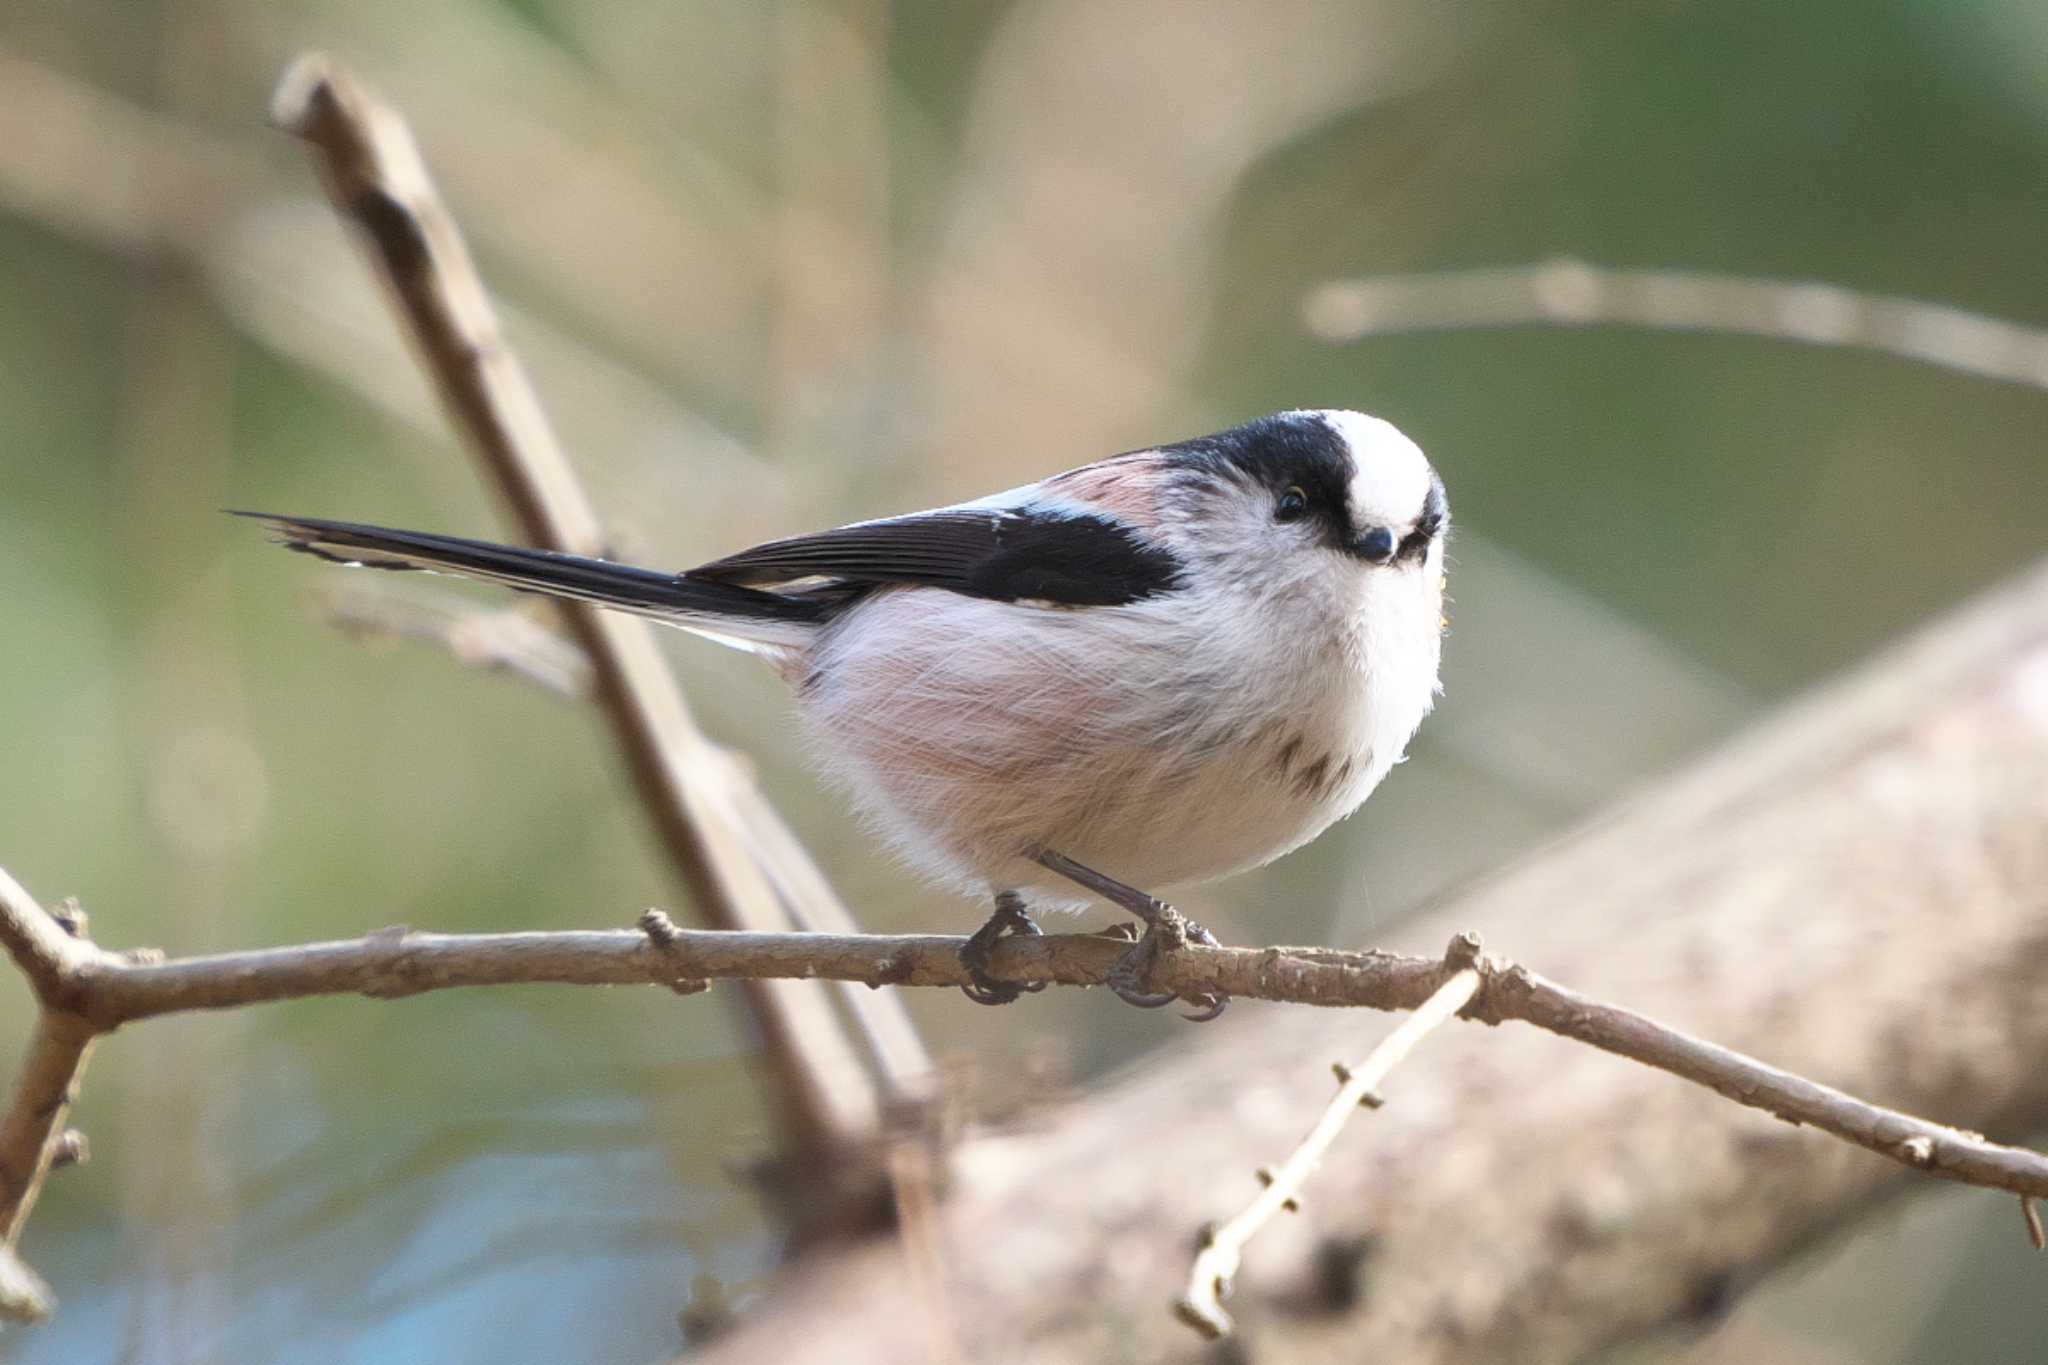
(1127, 978)
(1009, 920)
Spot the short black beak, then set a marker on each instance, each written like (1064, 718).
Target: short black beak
(1385, 545)
(1376, 545)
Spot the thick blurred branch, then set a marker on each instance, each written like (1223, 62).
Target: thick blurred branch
(1574, 294)
(743, 868)
(1859, 890)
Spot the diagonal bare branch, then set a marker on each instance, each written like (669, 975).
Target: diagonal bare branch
(1201, 1307)
(713, 824)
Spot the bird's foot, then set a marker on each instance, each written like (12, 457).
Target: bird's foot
(1165, 930)
(1170, 930)
(1009, 921)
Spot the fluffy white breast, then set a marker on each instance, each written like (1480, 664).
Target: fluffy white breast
(1170, 741)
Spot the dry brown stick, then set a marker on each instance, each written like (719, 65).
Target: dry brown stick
(105, 990)
(700, 802)
(1201, 1307)
(1573, 293)
(32, 1125)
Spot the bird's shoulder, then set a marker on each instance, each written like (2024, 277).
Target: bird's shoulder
(1085, 537)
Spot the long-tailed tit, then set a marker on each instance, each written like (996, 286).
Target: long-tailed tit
(1170, 665)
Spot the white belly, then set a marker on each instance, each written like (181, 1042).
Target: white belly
(970, 731)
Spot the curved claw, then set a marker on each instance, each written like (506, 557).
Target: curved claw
(986, 990)
(1125, 978)
(1009, 921)
(1131, 995)
(989, 991)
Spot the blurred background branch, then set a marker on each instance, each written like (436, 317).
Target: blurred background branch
(832, 1108)
(508, 638)
(1575, 294)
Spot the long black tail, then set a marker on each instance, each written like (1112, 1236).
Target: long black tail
(722, 610)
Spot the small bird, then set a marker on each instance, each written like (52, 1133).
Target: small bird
(1157, 669)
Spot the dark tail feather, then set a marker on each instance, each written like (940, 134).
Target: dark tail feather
(740, 615)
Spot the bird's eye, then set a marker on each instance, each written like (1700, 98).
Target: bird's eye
(1292, 506)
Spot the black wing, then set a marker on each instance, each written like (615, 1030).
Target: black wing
(1007, 554)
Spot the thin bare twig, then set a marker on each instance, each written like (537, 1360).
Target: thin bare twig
(506, 640)
(32, 1126)
(1573, 294)
(33, 1139)
(1201, 1307)
(711, 820)
(106, 990)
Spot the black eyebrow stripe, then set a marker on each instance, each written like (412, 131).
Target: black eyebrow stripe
(1436, 512)
(1436, 508)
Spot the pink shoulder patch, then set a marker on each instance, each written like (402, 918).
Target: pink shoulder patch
(1125, 486)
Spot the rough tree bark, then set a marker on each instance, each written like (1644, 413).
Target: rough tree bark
(1858, 891)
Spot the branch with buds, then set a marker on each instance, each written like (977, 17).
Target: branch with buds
(84, 990)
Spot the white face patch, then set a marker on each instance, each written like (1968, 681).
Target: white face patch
(1393, 474)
